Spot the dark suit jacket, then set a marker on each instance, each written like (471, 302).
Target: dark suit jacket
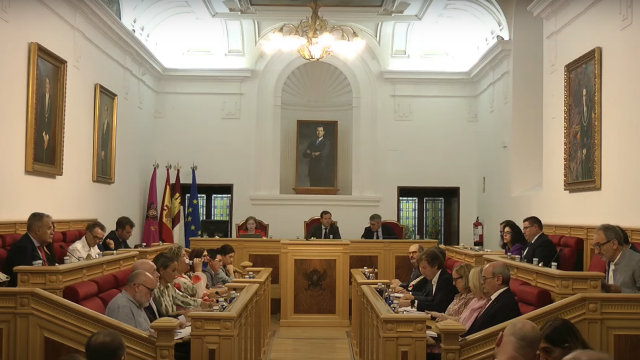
(117, 243)
(24, 253)
(317, 232)
(386, 231)
(320, 175)
(44, 123)
(543, 249)
(414, 275)
(503, 308)
(441, 299)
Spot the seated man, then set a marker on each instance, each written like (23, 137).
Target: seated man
(128, 306)
(414, 251)
(150, 268)
(502, 304)
(216, 276)
(34, 245)
(325, 230)
(540, 246)
(440, 294)
(623, 265)
(117, 239)
(105, 345)
(87, 247)
(376, 230)
(520, 340)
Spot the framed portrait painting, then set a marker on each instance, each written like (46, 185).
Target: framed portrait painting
(104, 135)
(316, 157)
(47, 82)
(582, 122)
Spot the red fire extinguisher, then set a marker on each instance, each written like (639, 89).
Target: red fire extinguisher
(477, 233)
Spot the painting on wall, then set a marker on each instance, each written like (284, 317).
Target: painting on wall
(104, 135)
(316, 157)
(582, 122)
(114, 7)
(47, 83)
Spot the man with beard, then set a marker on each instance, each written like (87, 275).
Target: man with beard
(128, 306)
(398, 286)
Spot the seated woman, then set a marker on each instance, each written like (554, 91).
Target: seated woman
(251, 227)
(191, 280)
(464, 297)
(559, 338)
(514, 240)
(165, 296)
(479, 301)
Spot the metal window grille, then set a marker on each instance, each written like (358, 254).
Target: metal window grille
(221, 207)
(434, 219)
(202, 201)
(409, 213)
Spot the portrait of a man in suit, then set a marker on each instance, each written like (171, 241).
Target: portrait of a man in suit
(316, 167)
(104, 138)
(581, 113)
(44, 151)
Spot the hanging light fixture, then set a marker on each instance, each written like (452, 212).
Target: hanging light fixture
(313, 39)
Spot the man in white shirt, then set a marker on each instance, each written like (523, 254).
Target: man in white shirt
(87, 247)
(623, 265)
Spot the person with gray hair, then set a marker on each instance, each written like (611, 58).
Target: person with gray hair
(128, 306)
(622, 273)
(519, 341)
(34, 245)
(502, 305)
(377, 231)
(414, 252)
(587, 355)
(87, 247)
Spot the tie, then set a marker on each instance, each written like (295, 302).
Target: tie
(375, 235)
(317, 141)
(44, 259)
(326, 233)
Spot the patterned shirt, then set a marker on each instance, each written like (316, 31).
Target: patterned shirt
(192, 284)
(166, 298)
(458, 305)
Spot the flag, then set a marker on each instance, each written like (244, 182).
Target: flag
(192, 212)
(150, 233)
(166, 220)
(176, 212)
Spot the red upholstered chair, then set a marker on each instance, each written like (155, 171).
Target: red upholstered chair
(597, 264)
(70, 236)
(396, 226)
(80, 233)
(9, 239)
(450, 264)
(571, 254)
(529, 297)
(556, 239)
(59, 253)
(80, 291)
(313, 222)
(261, 225)
(122, 277)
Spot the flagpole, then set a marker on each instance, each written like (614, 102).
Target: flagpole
(177, 205)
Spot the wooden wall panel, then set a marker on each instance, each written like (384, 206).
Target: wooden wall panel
(20, 227)
(362, 261)
(212, 354)
(267, 261)
(309, 297)
(403, 268)
(54, 350)
(626, 346)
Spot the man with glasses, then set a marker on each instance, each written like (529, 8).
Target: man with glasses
(87, 247)
(414, 251)
(540, 246)
(623, 265)
(128, 306)
(502, 305)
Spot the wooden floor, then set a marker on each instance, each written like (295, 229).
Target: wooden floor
(309, 343)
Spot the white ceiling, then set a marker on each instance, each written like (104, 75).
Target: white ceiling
(417, 35)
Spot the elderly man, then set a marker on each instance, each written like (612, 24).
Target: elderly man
(623, 265)
(149, 267)
(376, 230)
(502, 304)
(540, 246)
(519, 341)
(87, 247)
(128, 306)
(414, 251)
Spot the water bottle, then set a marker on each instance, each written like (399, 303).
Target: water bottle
(388, 298)
(232, 298)
(98, 255)
(222, 305)
(36, 263)
(365, 272)
(380, 290)
(395, 306)
(270, 236)
(251, 275)
(67, 260)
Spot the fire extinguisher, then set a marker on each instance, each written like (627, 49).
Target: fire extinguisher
(477, 233)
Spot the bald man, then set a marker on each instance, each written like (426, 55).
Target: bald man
(519, 341)
(587, 355)
(128, 306)
(149, 267)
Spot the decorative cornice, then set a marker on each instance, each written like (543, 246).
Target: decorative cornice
(305, 200)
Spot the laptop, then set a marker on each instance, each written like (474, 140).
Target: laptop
(254, 236)
(391, 237)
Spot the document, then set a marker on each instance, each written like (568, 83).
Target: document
(182, 333)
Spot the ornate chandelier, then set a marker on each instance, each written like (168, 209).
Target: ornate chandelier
(313, 39)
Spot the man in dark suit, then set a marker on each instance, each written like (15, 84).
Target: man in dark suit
(32, 246)
(376, 230)
(44, 139)
(440, 294)
(117, 239)
(502, 304)
(326, 229)
(104, 145)
(414, 252)
(540, 246)
(317, 152)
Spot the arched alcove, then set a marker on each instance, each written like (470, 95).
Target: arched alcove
(315, 91)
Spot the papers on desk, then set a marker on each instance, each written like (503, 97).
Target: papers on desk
(182, 333)
(408, 310)
(432, 334)
(397, 295)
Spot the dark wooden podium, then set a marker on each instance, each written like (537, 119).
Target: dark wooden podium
(315, 283)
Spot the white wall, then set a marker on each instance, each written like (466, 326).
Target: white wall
(73, 195)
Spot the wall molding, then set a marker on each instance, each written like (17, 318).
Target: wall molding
(552, 9)
(315, 200)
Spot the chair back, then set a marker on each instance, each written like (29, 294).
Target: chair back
(313, 222)
(396, 226)
(261, 225)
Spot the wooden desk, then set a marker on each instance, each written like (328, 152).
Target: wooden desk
(561, 284)
(54, 279)
(146, 253)
(469, 256)
(358, 279)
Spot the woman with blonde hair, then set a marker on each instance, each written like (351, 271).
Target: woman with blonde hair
(460, 302)
(479, 301)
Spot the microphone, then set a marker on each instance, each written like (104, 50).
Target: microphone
(557, 253)
(68, 253)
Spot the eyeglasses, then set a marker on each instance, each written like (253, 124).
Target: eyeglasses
(599, 246)
(146, 287)
(484, 278)
(96, 237)
(507, 233)
(412, 253)
(525, 228)
(455, 279)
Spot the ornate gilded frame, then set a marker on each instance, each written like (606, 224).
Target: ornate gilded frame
(35, 89)
(329, 190)
(110, 178)
(593, 181)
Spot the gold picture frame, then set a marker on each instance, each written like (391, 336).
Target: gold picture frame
(46, 99)
(104, 135)
(582, 122)
(316, 157)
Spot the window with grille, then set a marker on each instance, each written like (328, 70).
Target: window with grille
(215, 201)
(430, 213)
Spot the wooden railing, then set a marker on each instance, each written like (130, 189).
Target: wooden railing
(263, 322)
(561, 284)
(20, 226)
(147, 253)
(357, 299)
(469, 256)
(609, 323)
(55, 278)
(37, 325)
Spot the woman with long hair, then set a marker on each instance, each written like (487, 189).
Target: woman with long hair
(514, 241)
(464, 297)
(479, 301)
(250, 226)
(559, 338)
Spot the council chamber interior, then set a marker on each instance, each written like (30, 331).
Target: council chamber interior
(310, 157)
